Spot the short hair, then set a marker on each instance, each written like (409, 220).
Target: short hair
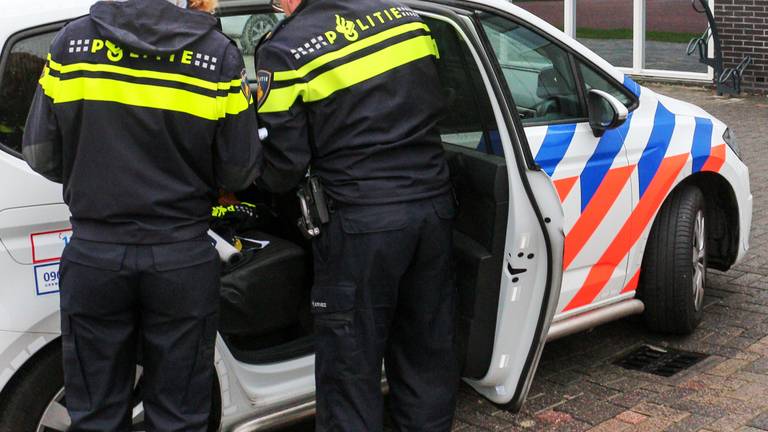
(204, 5)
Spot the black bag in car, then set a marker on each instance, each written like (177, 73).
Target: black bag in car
(264, 292)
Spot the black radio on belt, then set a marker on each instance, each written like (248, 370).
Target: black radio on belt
(314, 209)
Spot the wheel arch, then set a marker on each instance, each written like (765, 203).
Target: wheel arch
(49, 349)
(722, 215)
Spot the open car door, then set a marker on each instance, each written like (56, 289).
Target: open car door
(509, 230)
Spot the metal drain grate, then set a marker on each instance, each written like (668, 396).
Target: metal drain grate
(659, 361)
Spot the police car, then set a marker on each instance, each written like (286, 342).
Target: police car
(584, 198)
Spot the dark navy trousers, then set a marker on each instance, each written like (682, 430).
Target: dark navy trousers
(383, 292)
(161, 300)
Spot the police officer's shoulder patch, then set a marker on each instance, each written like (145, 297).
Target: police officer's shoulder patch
(263, 85)
(244, 86)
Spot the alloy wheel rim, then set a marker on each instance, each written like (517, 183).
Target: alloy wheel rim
(699, 260)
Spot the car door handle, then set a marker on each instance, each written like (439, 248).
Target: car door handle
(515, 271)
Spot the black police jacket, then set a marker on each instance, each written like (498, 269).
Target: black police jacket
(352, 86)
(143, 112)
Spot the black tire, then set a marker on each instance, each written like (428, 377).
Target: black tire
(28, 396)
(668, 276)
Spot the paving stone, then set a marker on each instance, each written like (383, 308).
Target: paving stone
(590, 410)
(589, 388)
(693, 422)
(759, 348)
(632, 398)
(750, 377)
(749, 429)
(626, 384)
(671, 396)
(760, 421)
(696, 407)
(611, 425)
(573, 426)
(750, 392)
(728, 367)
(731, 422)
(544, 403)
(653, 424)
(554, 417)
(654, 410)
(485, 421)
(719, 382)
(566, 377)
(631, 417)
(693, 384)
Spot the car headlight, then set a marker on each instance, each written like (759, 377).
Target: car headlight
(730, 139)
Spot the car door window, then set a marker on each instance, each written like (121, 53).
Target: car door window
(246, 31)
(538, 73)
(469, 121)
(594, 80)
(22, 67)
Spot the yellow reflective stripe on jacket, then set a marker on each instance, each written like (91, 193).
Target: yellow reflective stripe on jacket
(142, 73)
(349, 74)
(48, 83)
(144, 95)
(349, 49)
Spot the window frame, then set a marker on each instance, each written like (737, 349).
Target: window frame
(14, 39)
(480, 95)
(454, 11)
(574, 56)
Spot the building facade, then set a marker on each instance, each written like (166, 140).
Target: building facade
(653, 38)
(743, 28)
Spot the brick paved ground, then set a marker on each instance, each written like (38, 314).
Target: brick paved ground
(578, 389)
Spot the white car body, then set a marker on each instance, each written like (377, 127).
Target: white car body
(595, 251)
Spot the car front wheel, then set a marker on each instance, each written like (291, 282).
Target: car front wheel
(37, 401)
(674, 272)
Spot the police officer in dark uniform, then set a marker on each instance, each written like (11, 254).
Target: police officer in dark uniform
(143, 113)
(350, 89)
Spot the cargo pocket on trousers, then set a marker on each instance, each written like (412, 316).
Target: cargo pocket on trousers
(197, 395)
(334, 303)
(78, 395)
(338, 352)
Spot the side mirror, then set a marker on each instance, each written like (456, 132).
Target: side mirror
(605, 112)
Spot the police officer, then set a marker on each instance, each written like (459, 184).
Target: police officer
(143, 113)
(351, 90)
